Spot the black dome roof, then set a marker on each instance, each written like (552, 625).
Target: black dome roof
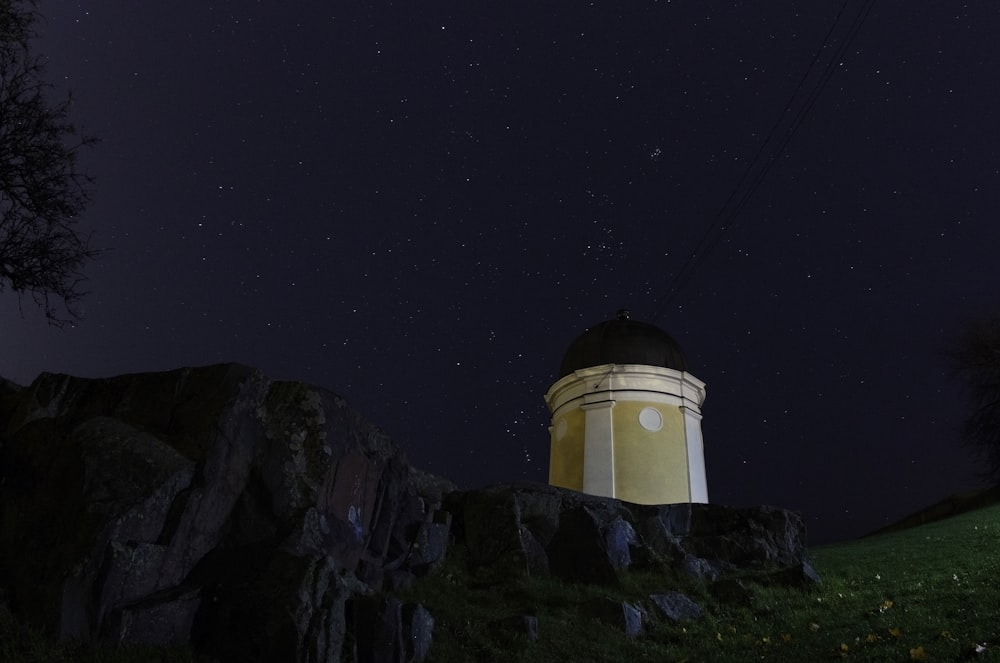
(623, 341)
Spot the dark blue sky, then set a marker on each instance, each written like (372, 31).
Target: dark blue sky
(420, 206)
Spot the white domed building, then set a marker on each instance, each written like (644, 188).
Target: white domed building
(626, 417)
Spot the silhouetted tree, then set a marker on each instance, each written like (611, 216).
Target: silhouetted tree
(976, 359)
(42, 192)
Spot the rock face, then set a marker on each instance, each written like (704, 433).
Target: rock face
(518, 530)
(261, 520)
(532, 529)
(196, 504)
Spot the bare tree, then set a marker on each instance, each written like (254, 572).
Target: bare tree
(976, 359)
(42, 191)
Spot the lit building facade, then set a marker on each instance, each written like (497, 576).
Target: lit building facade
(626, 417)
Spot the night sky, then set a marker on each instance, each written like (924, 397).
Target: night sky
(419, 205)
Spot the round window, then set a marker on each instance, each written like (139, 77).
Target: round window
(650, 419)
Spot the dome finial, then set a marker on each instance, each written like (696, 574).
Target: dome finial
(623, 314)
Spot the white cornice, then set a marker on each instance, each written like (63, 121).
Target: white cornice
(627, 382)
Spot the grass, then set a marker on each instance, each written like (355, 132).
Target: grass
(928, 593)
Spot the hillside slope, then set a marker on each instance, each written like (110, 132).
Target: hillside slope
(926, 593)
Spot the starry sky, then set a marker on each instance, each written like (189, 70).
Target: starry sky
(420, 205)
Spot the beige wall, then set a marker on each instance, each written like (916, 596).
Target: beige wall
(651, 467)
(566, 453)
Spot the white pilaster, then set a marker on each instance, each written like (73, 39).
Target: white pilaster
(697, 479)
(598, 449)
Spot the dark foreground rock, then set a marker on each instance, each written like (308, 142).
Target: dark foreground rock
(514, 530)
(261, 520)
(208, 505)
(676, 606)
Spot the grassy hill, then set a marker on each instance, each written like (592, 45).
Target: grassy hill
(928, 593)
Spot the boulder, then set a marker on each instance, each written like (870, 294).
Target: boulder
(698, 568)
(386, 630)
(418, 631)
(748, 536)
(579, 550)
(622, 615)
(430, 543)
(194, 504)
(676, 607)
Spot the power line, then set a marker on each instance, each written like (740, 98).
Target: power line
(725, 218)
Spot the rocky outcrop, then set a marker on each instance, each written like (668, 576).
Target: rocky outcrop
(533, 529)
(190, 505)
(519, 530)
(261, 520)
